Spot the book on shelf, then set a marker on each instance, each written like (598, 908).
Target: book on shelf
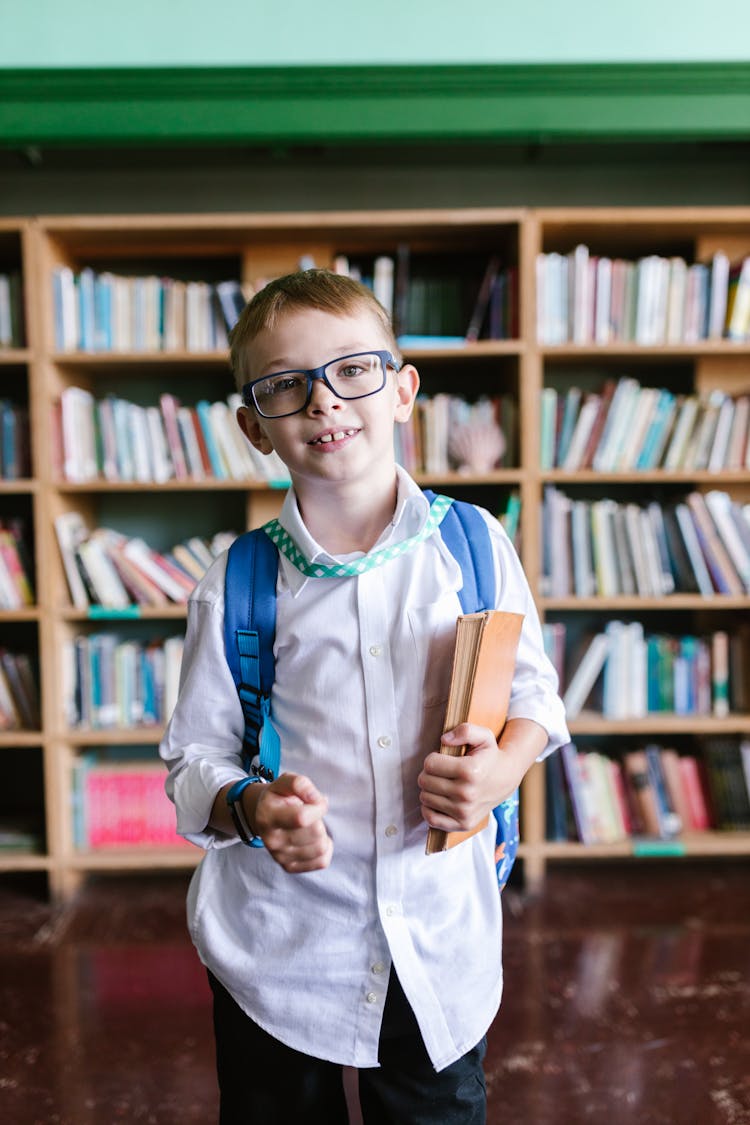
(738, 445)
(16, 581)
(103, 576)
(104, 567)
(695, 789)
(231, 301)
(586, 298)
(574, 783)
(217, 461)
(586, 673)
(727, 781)
(559, 823)
(670, 768)
(738, 301)
(670, 822)
(729, 522)
(571, 406)
(71, 531)
(622, 403)
(693, 549)
(572, 457)
(121, 804)
(481, 307)
(606, 821)
(482, 674)
(15, 441)
(115, 682)
(641, 793)
(11, 310)
(19, 689)
(154, 564)
(719, 563)
(170, 405)
(383, 281)
(105, 311)
(718, 449)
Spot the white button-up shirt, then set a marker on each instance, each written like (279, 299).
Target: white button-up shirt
(362, 671)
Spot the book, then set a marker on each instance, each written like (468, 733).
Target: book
(738, 303)
(71, 532)
(482, 674)
(557, 804)
(693, 549)
(586, 674)
(641, 791)
(670, 822)
(177, 587)
(718, 560)
(574, 781)
(479, 311)
(120, 804)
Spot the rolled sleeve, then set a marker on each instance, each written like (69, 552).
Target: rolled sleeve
(202, 745)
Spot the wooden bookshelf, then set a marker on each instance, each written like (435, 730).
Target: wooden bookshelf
(251, 247)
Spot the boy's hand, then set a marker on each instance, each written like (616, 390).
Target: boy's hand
(288, 816)
(457, 793)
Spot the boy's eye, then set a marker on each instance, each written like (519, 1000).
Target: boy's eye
(350, 370)
(281, 384)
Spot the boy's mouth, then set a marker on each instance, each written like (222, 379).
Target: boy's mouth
(331, 436)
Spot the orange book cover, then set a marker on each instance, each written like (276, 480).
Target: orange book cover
(483, 662)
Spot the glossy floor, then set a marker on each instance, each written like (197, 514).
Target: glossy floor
(627, 1000)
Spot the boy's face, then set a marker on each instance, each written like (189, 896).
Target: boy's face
(357, 433)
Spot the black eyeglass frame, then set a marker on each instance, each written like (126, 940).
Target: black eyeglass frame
(386, 361)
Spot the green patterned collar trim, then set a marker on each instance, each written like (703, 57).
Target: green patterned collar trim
(289, 548)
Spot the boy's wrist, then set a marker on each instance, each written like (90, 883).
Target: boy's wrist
(234, 798)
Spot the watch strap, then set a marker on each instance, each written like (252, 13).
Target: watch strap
(240, 821)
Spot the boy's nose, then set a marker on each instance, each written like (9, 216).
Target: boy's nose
(322, 397)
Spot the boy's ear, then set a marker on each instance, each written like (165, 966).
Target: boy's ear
(251, 425)
(407, 384)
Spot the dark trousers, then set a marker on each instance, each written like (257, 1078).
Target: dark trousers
(262, 1082)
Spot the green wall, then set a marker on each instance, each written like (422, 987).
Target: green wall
(161, 33)
(188, 105)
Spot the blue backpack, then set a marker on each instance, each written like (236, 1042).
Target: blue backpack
(250, 629)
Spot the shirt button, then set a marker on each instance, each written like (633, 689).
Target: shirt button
(384, 741)
(390, 911)
(378, 967)
(375, 650)
(371, 998)
(391, 830)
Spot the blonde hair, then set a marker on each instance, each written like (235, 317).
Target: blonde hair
(306, 289)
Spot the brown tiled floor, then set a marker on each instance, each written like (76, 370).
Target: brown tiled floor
(627, 1001)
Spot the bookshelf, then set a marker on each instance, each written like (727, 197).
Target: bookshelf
(442, 244)
(696, 367)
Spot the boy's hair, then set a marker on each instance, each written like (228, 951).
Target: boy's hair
(306, 289)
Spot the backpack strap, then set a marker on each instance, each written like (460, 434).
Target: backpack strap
(467, 537)
(249, 632)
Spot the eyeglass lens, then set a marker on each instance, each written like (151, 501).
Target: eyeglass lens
(349, 377)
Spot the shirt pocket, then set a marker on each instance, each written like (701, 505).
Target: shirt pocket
(432, 637)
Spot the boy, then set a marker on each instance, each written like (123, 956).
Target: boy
(339, 942)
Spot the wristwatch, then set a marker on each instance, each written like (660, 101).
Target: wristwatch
(234, 795)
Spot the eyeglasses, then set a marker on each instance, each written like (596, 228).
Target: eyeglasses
(350, 376)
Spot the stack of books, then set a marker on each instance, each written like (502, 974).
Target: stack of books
(119, 802)
(648, 791)
(106, 568)
(585, 298)
(700, 544)
(116, 440)
(625, 427)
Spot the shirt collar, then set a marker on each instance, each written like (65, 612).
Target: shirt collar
(412, 509)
